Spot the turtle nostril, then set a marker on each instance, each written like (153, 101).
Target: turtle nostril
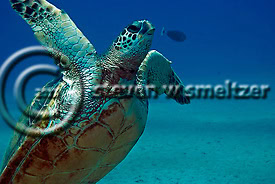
(133, 29)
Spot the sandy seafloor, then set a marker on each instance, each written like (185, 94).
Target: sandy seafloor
(202, 144)
(208, 141)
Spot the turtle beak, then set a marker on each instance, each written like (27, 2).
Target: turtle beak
(147, 27)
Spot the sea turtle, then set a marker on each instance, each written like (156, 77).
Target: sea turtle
(104, 129)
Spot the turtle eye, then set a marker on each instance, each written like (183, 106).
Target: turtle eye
(64, 62)
(133, 29)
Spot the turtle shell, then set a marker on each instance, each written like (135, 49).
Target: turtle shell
(84, 153)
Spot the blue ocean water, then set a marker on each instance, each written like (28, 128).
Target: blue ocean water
(209, 141)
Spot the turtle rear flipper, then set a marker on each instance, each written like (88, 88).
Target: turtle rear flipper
(42, 99)
(156, 70)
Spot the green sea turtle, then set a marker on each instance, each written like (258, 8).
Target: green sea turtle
(105, 128)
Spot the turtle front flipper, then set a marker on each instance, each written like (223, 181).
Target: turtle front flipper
(54, 29)
(156, 70)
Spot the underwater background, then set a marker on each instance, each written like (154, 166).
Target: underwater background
(226, 141)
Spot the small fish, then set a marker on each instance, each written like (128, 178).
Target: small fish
(177, 36)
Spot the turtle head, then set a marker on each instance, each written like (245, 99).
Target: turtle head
(136, 37)
(131, 47)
